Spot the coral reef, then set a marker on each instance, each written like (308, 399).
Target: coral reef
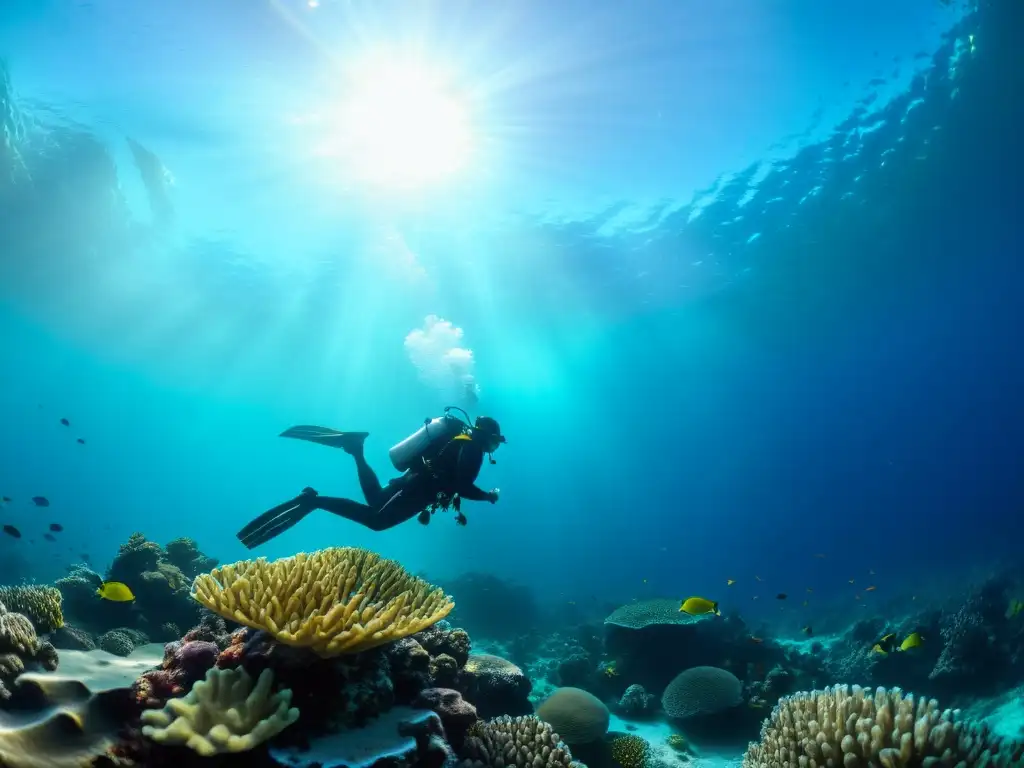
(334, 601)
(223, 713)
(20, 648)
(184, 555)
(524, 742)
(850, 727)
(117, 642)
(42, 605)
(495, 685)
(160, 585)
(576, 715)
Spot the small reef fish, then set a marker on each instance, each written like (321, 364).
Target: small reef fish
(1014, 609)
(609, 671)
(49, 537)
(730, 582)
(115, 591)
(80, 441)
(870, 589)
(56, 527)
(10, 530)
(851, 581)
(5, 499)
(759, 578)
(871, 571)
(808, 631)
(780, 596)
(40, 501)
(885, 645)
(65, 422)
(913, 640)
(810, 591)
(755, 597)
(697, 606)
(755, 639)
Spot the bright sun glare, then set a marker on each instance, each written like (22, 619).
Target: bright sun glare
(402, 124)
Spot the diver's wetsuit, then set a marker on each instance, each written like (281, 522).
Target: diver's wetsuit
(453, 471)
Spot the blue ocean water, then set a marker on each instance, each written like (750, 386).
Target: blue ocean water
(740, 283)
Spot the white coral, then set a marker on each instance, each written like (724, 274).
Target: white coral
(223, 713)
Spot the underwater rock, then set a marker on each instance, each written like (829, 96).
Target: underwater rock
(72, 639)
(399, 738)
(332, 693)
(637, 702)
(211, 628)
(457, 714)
(495, 686)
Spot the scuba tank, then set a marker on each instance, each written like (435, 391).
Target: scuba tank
(434, 434)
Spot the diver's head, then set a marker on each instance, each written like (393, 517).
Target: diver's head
(489, 432)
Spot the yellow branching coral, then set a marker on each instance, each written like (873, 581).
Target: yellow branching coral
(853, 728)
(42, 605)
(223, 713)
(630, 751)
(334, 601)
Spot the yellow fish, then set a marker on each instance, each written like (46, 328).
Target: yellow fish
(696, 606)
(115, 591)
(463, 437)
(914, 640)
(885, 645)
(610, 671)
(730, 582)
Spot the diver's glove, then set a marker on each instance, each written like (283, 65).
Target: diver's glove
(493, 494)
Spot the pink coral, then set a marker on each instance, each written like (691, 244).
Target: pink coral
(184, 663)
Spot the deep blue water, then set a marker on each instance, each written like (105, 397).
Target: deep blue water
(742, 287)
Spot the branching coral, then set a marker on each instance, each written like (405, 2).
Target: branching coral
(42, 605)
(524, 742)
(850, 727)
(223, 713)
(334, 601)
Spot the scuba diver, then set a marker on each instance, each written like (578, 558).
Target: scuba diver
(440, 463)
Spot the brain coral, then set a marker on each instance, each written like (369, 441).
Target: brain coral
(577, 716)
(645, 613)
(701, 691)
(849, 727)
(42, 605)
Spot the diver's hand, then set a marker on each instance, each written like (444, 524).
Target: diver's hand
(493, 494)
